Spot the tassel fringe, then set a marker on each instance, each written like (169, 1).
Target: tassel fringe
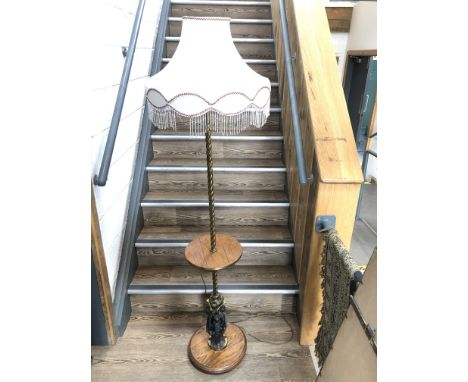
(252, 116)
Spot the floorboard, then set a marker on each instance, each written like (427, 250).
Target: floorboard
(154, 348)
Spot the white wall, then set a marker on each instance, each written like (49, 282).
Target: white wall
(340, 41)
(111, 200)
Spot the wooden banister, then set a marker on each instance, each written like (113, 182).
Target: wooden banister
(328, 142)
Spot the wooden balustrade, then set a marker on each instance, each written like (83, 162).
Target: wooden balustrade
(328, 143)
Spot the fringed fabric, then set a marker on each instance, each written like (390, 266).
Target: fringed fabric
(337, 271)
(222, 124)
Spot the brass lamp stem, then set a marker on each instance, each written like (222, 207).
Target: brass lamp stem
(209, 163)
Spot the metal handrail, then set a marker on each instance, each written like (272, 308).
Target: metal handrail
(101, 179)
(292, 95)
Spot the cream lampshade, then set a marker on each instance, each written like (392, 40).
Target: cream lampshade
(207, 75)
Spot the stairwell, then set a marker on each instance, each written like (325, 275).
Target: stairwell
(167, 294)
(250, 193)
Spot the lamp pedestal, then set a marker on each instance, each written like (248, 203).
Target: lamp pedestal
(219, 346)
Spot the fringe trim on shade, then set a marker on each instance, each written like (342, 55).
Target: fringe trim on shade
(232, 124)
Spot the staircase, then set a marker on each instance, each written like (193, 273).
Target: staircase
(250, 192)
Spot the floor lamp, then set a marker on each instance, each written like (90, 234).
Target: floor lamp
(208, 83)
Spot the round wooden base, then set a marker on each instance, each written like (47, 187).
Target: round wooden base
(228, 252)
(221, 361)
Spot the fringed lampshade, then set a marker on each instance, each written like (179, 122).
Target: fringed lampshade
(208, 83)
(207, 77)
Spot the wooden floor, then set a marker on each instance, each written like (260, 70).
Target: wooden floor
(154, 348)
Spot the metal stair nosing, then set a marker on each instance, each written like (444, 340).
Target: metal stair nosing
(241, 288)
(233, 21)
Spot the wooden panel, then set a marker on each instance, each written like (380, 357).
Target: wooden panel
(220, 149)
(250, 256)
(234, 275)
(262, 50)
(251, 216)
(328, 145)
(339, 200)
(326, 123)
(339, 18)
(241, 233)
(97, 251)
(232, 11)
(222, 181)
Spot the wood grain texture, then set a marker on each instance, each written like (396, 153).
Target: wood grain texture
(220, 149)
(326, 127)
(339, 18)
(154, 348)
(222, 181)
(230, 216)
(236, 275)
(339, 200)
(237, 30)
(250, 256)
(328, 144)
(257, 50)
(241, 233)
(232, 11)
(97, 251)
(221, 196)
(228, 252)
(239, 303)
(217, 362)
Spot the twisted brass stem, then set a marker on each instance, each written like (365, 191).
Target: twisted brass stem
(214, 276)
(209, 163)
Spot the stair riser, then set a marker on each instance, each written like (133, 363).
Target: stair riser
(237, 30)
(266, 70)
(192, 180)
(232, 11)
(231, 216)
(250, 256)
(220, 149)
(147, 305)
(264, 51)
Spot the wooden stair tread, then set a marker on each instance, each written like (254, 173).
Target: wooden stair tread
(217, 162)
(220, 196)
(235, 275)
(241, 233)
